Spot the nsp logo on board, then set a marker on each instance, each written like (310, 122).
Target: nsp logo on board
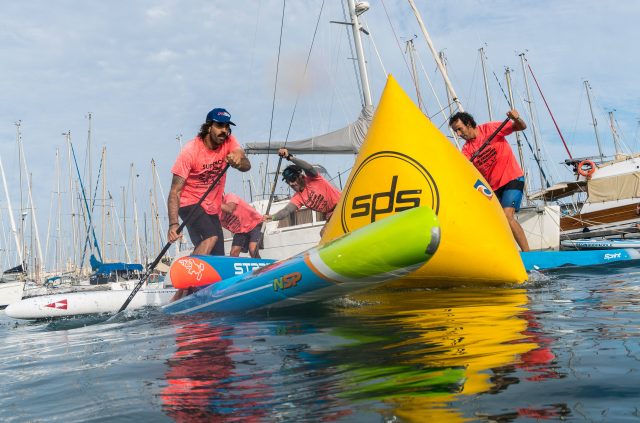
(385, 183)
(287, 281)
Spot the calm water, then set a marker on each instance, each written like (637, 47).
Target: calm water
(565, 348)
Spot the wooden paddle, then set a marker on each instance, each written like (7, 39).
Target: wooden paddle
(153, 265)
(491, 137)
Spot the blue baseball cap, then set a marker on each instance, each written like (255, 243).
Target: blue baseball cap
(219, 115)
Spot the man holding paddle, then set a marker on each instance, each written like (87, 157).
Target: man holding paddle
(311, 190)
(490, 152)
(198, 184)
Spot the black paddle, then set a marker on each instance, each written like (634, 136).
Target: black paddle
(486, 143)
(144, 277)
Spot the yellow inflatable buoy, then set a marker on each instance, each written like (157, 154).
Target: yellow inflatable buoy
(406, 162)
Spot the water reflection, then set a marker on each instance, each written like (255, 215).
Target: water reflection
(200, 378)
(453, 336)
(414, 355)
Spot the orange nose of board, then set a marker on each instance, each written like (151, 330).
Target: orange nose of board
(189, 272)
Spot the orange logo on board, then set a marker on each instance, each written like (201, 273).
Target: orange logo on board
(187, 272)
(386, 183)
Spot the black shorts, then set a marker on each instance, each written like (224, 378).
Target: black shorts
(243, 239)
(202, 226)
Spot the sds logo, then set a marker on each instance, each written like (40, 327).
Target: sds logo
(287, 281)
(385, 202)
(385, 183)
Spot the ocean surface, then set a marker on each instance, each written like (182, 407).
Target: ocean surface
(562, 348)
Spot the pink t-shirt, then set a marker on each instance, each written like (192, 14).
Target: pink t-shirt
(318, 195)
(243, 219)
(496, 162)
(200, 166)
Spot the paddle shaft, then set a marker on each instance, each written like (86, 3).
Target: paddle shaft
(486, 143)
(144, 277)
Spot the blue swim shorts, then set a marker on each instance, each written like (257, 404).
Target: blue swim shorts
(510, 194)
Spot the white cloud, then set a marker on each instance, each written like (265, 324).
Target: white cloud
(164, 56)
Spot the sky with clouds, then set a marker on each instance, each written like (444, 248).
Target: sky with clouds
(149, 71)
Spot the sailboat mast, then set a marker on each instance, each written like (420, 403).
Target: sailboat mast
(157, 236)
(164, 201)
(23, 253)
(454, 136)
(587, 87)
(59, 256)
(124, 223)
(135, 215)
(532, 115)
(34, 220)
(120, 229)
(88, 159)
(414, 73)
(90, 226)
(486, 82)
(364, 78)
(104, 200)
(72, 208)
(614, 134)
(434, 53)
(16, 236)
(507, 76)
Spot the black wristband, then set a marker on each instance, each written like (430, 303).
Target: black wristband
(173, 224)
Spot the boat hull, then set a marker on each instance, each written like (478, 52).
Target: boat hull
(10, 292)
(82, 303)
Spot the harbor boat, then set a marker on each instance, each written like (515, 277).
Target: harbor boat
(10, 292)
(89, 302)
(107, 277)
(355, 261)
(603, 197)
(610, 208)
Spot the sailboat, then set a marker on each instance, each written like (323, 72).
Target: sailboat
(603, 197)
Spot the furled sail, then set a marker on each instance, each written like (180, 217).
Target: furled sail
(346, 140)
